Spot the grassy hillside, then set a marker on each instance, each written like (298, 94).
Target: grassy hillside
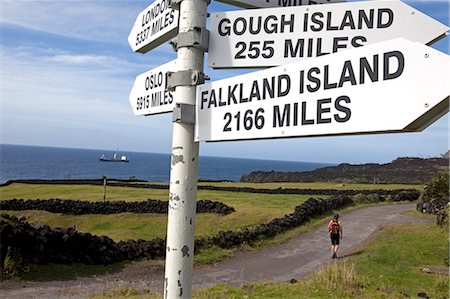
(386, 268)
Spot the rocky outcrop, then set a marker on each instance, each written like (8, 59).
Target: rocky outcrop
(81, 207)
(399, 171)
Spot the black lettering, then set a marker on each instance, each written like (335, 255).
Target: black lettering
(304, 120)
(321, 110)
(281, 121)
(348, 68)
(390, 18)
(243, 25)
(268, 88)
(270, 27)
(315, 20)
(254, 93)
(362, 18)
(289, 23)
(364, 67)
(347, 112)
(287, 79)
(355, 40)
(348, 21)
(289, 50)
(224, 30)
(326, 75)
(387, 74)
(313, 79)
(329, 27)
(231, 96)
(204, 98)
(336, 45)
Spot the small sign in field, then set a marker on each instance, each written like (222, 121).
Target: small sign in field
(391, 86)
(277, 36)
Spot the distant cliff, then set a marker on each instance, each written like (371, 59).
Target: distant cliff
(400, 171)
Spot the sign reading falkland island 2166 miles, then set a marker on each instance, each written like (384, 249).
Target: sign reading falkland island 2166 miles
(275, 3)
(277, 36)
(156, 24)
(148, 95)
(391, 86)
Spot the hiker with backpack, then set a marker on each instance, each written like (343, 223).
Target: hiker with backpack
(335, 230)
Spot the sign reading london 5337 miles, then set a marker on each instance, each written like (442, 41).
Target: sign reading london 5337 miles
(391, 86)
(156, 24)
(148, 95)
(277, 36)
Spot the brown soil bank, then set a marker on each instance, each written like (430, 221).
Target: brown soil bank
(399, 171)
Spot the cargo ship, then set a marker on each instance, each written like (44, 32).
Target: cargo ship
(115, 158)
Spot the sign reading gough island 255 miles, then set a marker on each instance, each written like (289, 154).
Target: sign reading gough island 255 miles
(148, 95)
(391, 86)
(275, 3)
(277, 36)
(156, 24)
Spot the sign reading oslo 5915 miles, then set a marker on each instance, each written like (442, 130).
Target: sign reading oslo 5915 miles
(275, 3)
(156, 24)
(391, 86)
(277, 36)
(148, 95)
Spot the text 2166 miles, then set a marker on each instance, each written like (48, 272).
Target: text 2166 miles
(247, 120)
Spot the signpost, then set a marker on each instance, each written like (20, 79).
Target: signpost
(391, 86)
(149, 95)
(387, 86)
(156, 24)
(278, 36)
(276, 3)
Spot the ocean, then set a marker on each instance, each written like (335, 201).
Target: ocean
(36, 162)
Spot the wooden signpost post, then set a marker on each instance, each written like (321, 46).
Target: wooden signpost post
(374, 86)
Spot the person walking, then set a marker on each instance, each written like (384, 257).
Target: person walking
(335, 230)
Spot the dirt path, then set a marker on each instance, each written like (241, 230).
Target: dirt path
(293, 259)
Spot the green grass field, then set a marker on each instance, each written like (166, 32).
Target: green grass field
(386, 268)
(251, 209)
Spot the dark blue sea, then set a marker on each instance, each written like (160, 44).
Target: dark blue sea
(33, 162)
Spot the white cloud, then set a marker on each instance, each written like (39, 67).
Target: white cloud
(105, 21)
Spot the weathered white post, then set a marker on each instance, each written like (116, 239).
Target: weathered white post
(191, 44)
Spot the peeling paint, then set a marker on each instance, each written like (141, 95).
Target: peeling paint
(190, 221)
(179, 283)
(179, 272)
(168, 248)
(181, 292)
(177, 159)
(193, 159)
(166, 286)
(177, 148)
(176, 198)
(185, 251)
(177, 182)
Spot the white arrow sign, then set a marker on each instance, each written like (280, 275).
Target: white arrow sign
(148, 95)
(390, 86)
(276, 3)
(277, 36)
(156, 24)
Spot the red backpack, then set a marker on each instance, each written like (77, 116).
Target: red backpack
(334, 227)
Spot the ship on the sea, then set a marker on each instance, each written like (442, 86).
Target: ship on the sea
(115, 158)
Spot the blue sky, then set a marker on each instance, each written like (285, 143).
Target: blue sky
(66, 71)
